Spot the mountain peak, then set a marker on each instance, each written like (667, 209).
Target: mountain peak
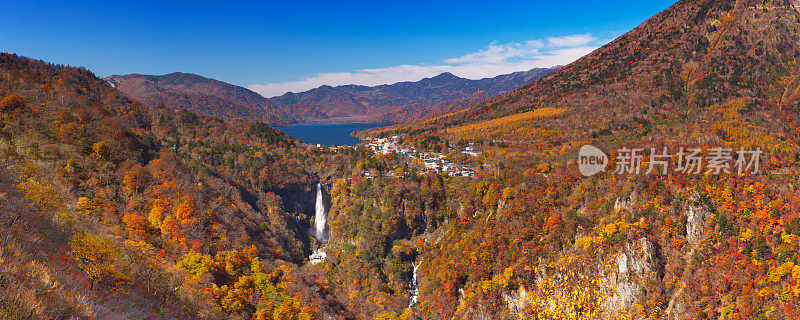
(694, 55)
(446, 76)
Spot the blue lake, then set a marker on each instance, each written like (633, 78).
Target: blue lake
(328, 134)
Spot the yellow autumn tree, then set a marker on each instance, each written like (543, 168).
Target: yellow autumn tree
(101, 261)
(571, 291)
(43, 196)
(156, 214)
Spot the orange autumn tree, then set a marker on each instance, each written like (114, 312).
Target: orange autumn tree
(185, 210)
(10, 103)
(170, 228)
(137, 227)
(135, 179)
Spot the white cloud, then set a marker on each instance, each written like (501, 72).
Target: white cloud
(494, 60)
(571, 41)
(498, 53)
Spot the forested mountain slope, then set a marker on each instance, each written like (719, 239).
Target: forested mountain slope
(117, 210)
(691, 56)
(193, 201)
(530, 236)
(203, 96)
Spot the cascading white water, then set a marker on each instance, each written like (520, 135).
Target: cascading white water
(319, 229)
(319, 216)
(413, 286)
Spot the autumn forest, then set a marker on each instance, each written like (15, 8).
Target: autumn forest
(113, 208)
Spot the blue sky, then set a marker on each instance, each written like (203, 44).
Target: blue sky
(273, 47)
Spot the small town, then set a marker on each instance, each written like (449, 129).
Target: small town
(435, 162)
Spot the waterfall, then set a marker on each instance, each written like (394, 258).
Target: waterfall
(319, 217)
(413, 286)
(319, 229)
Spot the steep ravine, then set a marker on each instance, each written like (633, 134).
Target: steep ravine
(300, 202)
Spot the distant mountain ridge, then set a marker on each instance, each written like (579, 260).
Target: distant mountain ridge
(399, 102)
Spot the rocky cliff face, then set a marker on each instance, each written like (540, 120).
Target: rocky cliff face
(517, 301)
(696, 219)
(300, 201)
(634, 268)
